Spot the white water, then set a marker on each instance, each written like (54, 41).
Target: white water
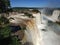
(34, 33)
(39, 37)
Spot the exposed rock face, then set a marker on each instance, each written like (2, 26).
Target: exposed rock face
(20, 34)
(28, 43)
(59, 17)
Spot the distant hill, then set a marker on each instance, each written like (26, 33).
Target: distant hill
(26, 8)
(46, 10)
(33, 8)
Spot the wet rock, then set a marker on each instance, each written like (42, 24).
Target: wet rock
(28, 43)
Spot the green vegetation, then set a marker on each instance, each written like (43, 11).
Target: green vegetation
(15, 41)
(5, 33)
(35, 10)
(29, 15)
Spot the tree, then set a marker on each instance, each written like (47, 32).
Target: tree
(4, 5)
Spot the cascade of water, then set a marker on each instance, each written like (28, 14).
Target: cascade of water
(32, 32)
(33, 29)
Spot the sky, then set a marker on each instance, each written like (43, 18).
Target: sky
(35, 3)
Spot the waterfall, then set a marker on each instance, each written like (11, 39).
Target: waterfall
(32, 32)
(33, 29)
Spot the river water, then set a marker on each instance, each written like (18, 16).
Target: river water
(51, 36)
